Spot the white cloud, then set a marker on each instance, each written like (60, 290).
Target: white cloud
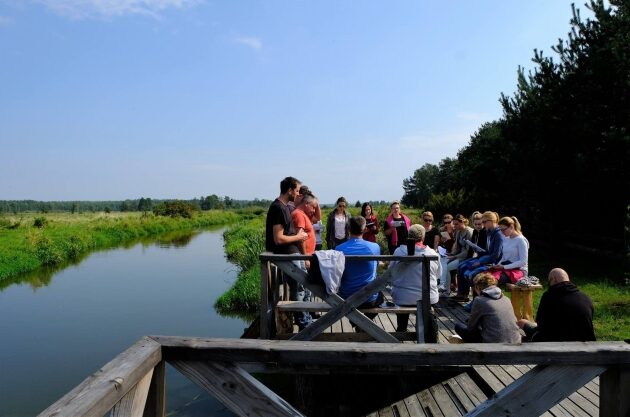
(250, 41)
(83, 9)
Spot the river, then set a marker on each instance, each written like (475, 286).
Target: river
(57, 328)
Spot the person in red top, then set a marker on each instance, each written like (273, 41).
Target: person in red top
(371, 223)
(302, 220)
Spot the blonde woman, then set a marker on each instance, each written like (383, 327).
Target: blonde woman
(467, 270)
(513, 263)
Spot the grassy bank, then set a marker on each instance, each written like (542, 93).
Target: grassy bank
(30, 241)
(243, 243)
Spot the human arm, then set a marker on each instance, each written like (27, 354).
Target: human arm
(280, 238)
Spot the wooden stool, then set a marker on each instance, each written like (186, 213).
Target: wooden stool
(523, 300)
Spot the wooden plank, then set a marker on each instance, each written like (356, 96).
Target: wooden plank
(156, 400)
(98, 393)
(468, 386)
(291, 306)
(614, 390)
(537, 391)
(414, 407)
(235, 388)
(444, 401)
(132, 404)
(558, 353)
(275, 258)
(431, 408)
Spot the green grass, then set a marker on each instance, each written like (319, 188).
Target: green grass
(243, 243)
(600, 279)
(65, 237)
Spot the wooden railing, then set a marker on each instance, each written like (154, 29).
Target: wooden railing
(273, 267)
(133, 383)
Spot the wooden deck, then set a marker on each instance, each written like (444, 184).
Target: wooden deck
(456, 395)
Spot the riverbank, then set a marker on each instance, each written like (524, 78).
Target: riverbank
(32, 240)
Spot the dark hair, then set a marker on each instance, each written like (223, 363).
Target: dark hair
(357, 224)
(304, 190)
(341, 200)
(364, 206)
(287, 184)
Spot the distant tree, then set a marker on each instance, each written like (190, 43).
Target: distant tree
(176, 208)
(145, 204)
(357, 204)
(228, 202)
(107, 210)
(74, 208)
(420, 186)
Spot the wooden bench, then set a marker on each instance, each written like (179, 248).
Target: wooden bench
(523, 300)
(284, 322)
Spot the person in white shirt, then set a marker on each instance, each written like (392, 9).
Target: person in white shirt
(407, 278)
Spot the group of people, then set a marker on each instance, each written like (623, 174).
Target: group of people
(492, 252)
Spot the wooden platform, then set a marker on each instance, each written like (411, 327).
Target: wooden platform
(461, 394)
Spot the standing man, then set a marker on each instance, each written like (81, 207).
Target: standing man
(357, 274)
(565, 314)
(281, 236)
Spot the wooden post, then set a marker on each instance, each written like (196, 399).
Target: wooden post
(156, 400)
(132, 404)
(264, 300)
(614, 392)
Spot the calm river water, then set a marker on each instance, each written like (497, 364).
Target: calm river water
(54, 335)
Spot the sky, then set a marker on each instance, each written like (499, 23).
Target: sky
(122, 99)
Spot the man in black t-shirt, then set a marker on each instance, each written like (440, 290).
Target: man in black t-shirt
(281, 238)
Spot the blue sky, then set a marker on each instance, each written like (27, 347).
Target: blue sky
(117, 99)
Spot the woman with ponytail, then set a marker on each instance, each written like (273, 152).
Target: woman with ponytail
(513, 263)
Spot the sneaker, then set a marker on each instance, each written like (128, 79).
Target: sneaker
(455, 338)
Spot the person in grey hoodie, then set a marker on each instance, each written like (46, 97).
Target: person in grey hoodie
(492, 318)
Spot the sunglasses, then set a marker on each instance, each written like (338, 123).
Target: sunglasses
(447, 222)
(428, 220)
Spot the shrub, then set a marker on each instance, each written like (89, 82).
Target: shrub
(175, 208)
(40, 222)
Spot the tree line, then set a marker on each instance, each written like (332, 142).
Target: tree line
(211, 202)
(557, 158)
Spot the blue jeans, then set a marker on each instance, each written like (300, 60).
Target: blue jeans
(297, 292)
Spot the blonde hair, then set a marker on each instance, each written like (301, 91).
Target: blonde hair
(484, 280)
(476, 215)
(511, 221)
(490, 215)
(428, 214)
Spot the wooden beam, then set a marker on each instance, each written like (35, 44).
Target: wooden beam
(268, 256)
(614, 392)
(156, 400)
(341, 308)
(98, 393)
(363, 354)
(537, 391)
(132, 404)
(235, 388)
(265, 308)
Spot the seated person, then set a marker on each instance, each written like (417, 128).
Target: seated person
(407, 280)
(565, 314)
(357, 274)
(492, 318)
(469, 269)
(513, 263)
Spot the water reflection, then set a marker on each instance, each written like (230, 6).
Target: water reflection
(59, 325)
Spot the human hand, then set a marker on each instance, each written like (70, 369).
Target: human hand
(303, 236)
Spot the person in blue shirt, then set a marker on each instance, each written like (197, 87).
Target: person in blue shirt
(357, 274)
